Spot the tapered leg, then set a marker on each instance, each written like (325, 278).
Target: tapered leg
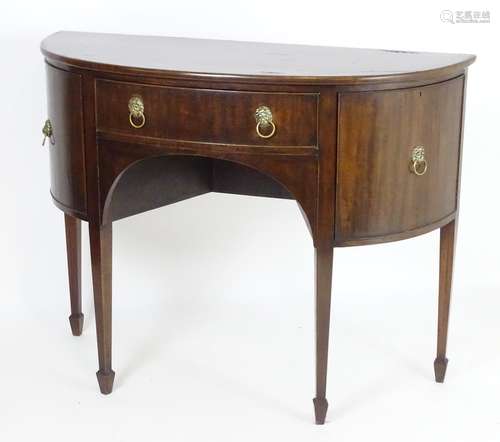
(324, 261)
(101, 255)
(74, 255)
(447, 251)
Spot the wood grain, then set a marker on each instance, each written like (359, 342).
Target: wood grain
(67, 156)
(224, 61)
(101, 257)
(324, 261)
(211, 116)
(74, 254)
(446, 258)
(377, 195)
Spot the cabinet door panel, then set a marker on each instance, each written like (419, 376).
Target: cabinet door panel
(67, 158)
(377, 193)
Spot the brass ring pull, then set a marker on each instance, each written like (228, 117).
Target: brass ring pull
(270, 134)
(418, 163)
(264, 118)
(419, 167)
(142, 120)
(136, 112)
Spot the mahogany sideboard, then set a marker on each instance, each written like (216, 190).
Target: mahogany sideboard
(368, 142)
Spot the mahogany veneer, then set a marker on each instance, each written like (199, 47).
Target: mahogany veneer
(368, 142)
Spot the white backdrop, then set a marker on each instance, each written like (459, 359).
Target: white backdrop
(213, 297)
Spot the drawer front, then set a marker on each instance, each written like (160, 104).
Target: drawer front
(66, 148)
(398, 159)
(211, 116)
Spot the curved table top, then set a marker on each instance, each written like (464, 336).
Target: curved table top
(224, 60)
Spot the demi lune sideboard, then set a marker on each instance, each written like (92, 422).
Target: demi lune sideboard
(368, 142)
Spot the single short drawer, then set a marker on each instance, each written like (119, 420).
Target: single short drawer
(398, 159)
(207, 115)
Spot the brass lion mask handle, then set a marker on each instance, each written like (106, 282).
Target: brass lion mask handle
(265, 126)
(136, 116)
(418, 163)
(48, 132)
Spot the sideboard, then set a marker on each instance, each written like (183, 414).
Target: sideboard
(367, 142)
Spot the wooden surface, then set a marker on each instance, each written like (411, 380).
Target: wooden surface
(170, 180)
(194, 58)
(347, 121)
(446, 257)
(67, 155)
(211, 116)
(377, 196)
(74, 253)
(101, 238)
(323, 275)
